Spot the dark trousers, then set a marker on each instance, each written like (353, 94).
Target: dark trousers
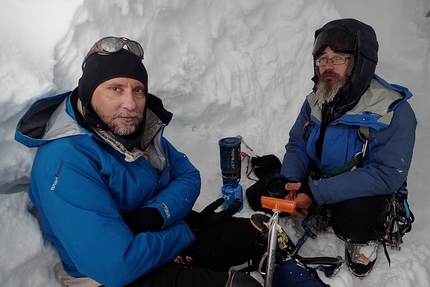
(361, 219)
(358, 220)
(216, 248)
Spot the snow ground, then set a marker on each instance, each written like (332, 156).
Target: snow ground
(224, 68)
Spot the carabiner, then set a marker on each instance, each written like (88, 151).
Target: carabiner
(359, 155)
(364, 148)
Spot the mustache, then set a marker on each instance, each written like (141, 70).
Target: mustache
(128, 114)
(330, 74)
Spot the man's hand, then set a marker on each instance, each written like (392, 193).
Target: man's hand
(303, 201)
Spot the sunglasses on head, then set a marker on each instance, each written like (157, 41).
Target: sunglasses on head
(110, 45)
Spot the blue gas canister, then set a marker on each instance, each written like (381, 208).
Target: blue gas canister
(230, 192)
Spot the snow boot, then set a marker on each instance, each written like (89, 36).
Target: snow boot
(361, 257)
(239, 279)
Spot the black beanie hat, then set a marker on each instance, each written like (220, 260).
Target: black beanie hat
(100, 68)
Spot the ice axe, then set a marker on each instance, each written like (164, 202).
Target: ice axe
(329, 265)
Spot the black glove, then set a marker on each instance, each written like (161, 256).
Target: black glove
(143, 219)
(304, 188)
(207, 216)
(265, 165)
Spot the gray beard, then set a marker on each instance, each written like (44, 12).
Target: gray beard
(327, 91)
(109, 121)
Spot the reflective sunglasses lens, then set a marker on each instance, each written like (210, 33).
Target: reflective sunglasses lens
(111, 44)
(136, 48)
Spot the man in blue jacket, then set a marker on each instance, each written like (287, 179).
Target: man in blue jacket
(114, 196)
(351, 145)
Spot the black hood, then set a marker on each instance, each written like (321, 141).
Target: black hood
(365, 60)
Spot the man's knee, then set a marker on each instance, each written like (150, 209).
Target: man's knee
(360, 219)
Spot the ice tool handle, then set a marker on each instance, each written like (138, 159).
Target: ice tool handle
(277, 204)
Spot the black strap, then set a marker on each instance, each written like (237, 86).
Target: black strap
(384, 243)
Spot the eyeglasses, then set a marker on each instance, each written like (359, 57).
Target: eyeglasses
(110, 45)
(336, 60)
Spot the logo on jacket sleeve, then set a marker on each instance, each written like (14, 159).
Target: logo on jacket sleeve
(57, 175)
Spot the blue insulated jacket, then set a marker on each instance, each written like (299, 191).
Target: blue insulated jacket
(82, 187)
(391, 122)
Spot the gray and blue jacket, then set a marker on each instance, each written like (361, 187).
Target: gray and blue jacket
(383, 109)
